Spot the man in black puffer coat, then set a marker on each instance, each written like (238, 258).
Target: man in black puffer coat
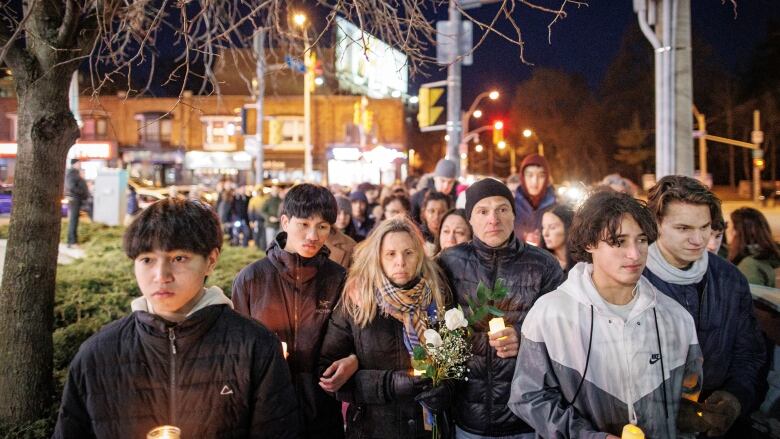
(183, 357)
(528, 272)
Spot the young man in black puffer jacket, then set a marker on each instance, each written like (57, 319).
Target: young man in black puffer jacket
(183, 357)
(528, 272)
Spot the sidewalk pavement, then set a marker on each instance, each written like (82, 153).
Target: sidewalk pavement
(64, 257)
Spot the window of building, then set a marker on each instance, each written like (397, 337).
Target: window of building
(94, 128)
(219, 132)
(291, 129)
(154, 127)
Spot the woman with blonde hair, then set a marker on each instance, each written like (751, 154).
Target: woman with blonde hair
(392, 292)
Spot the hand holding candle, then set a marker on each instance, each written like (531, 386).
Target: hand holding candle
(504, 339)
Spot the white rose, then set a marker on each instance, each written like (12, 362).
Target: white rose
(455, 319)
(432, 338)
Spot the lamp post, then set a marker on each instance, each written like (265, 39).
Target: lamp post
(300, 20)
(465, 117)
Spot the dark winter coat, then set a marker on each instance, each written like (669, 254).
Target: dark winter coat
(362, 229)
(481, 402)
(294, 297)
(373, 411)
(722, 309)
(214, 375)
(527, 217)
(239, 208)
(75, 186)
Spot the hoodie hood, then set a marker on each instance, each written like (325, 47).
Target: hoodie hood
(579, 285)
(212, 296)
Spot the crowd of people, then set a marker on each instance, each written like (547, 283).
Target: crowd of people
(615, 314)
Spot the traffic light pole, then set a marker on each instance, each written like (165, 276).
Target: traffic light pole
(454, 128)
(259, 46)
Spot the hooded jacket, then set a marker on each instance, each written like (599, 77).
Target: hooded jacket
(75, 186)
(722, 309)
(480, 406)
(572, 332)
(214, 375)
(759, 271)
(527, 217)
(294, 296)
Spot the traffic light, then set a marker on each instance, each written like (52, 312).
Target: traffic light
(428, 112)
(759, 163)
(498, 132)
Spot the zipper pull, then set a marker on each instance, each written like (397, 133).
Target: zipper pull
(172, 338)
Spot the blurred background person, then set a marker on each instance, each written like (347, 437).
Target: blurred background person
(556, 222)
(270, 212)
(434, 206)
(717, 244)
(455, 229)
(395, 205)
(256, 220)
(532, 197)
(751, 247)
(443, 180)
(344, 217)
(360, 219)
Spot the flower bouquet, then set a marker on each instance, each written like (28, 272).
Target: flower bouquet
(443, 356)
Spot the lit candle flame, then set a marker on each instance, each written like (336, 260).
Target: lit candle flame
(284, 350)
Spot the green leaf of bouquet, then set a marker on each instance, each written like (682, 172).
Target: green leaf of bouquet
(419, 353)
(495, 311)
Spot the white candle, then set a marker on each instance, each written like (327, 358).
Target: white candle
(418, 372)
(284, 349)
(164, 432)
(496, 324)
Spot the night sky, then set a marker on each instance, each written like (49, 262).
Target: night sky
(588, 39)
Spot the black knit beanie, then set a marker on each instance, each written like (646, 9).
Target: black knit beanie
(487, 187)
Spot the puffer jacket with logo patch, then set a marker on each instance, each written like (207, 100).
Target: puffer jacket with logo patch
(294, 297)
(481, 402)
(214, 375)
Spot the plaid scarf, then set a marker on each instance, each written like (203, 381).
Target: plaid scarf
(408, 307)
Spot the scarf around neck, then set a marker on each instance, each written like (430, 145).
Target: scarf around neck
(408, 306)
(668, 273)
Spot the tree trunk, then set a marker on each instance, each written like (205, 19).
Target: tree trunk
(46, 130)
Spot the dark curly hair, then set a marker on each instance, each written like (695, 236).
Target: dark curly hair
(684, 190)
(600, 218)
(174, 224)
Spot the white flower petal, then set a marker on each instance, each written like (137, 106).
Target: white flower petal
(455, 319)
(432, 338)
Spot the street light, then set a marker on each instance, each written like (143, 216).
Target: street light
(492, 95)
(299, 19)
(527, 133)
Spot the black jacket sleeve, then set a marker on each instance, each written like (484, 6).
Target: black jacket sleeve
(749, 351)
(73, 419)
(366, 386)
(275, 413)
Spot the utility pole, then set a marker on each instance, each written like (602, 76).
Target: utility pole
(757, 137)
(666, 25)
(454, 128)
(308, 78)
(259, 46)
